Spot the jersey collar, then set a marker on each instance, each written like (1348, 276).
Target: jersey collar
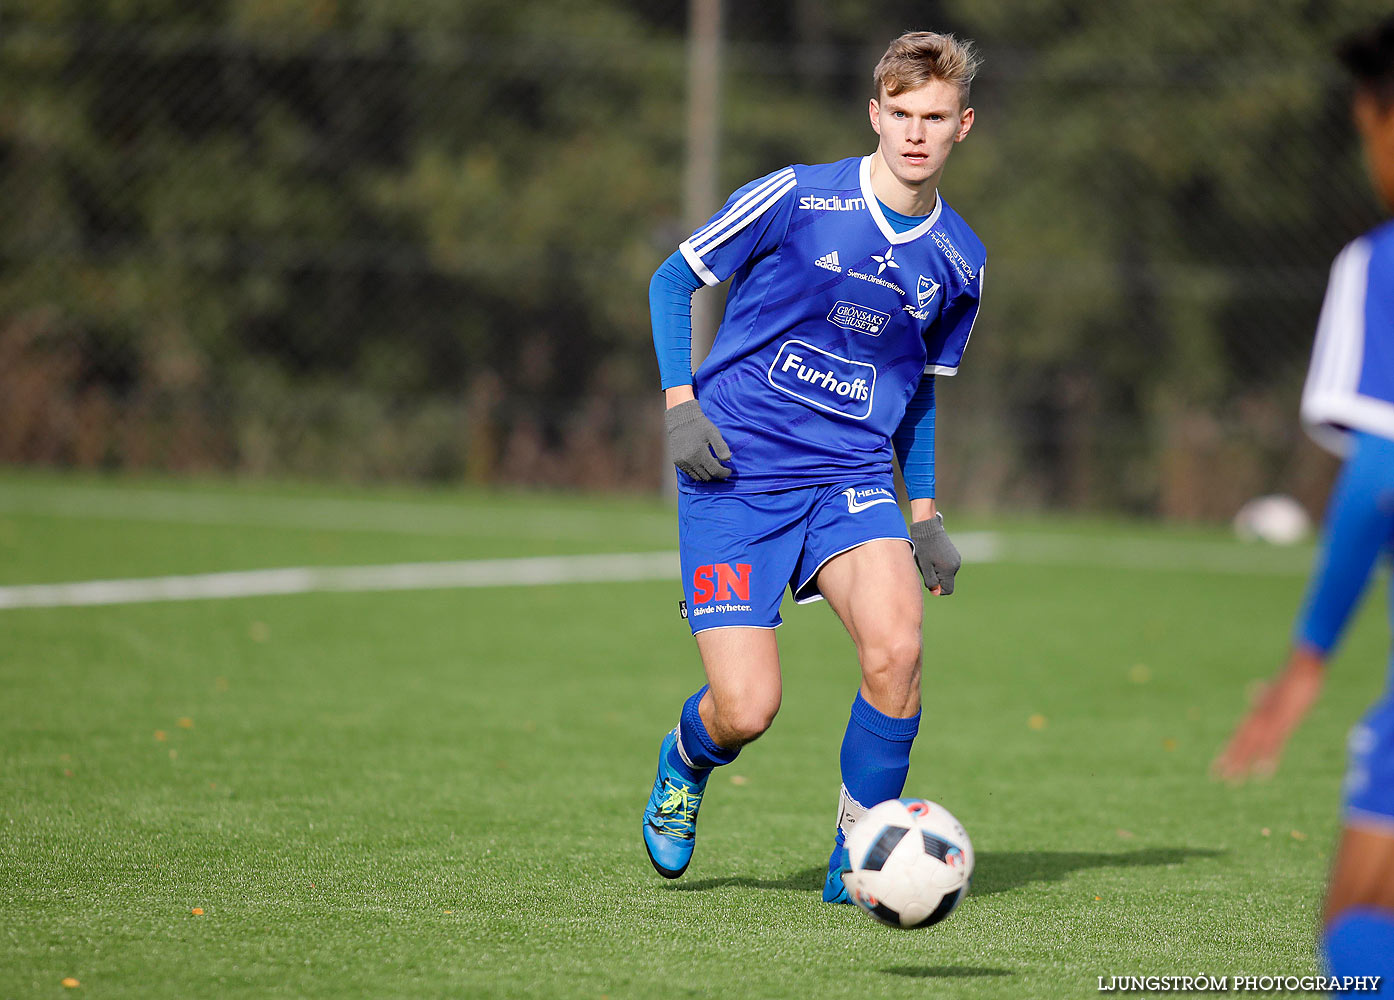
(874, 207)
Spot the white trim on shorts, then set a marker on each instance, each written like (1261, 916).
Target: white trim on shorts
(1367, 820)
(713, 628)
(819, 568)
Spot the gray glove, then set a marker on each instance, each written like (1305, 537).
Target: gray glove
(691, 440)
(936, 555)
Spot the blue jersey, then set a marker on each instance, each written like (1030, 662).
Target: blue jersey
(831, 320)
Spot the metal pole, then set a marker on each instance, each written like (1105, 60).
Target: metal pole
(699, 189)
(700, 194)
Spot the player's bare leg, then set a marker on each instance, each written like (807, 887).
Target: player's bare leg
(875, 589)
(1363, 873)
(737, 704)
(743, 683)
(1358, 934)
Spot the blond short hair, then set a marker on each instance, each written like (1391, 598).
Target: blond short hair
(917, 57)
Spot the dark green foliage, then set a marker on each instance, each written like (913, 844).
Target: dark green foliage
(377, 239)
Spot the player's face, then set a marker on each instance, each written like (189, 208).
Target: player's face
(1376, 125)
(918, 128)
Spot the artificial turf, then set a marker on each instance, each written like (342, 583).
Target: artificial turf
(437, 793)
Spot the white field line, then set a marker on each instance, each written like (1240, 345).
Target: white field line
(303, 580)
(976, 547)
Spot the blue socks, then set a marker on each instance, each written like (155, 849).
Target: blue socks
(1360, 942)
(875, 755)
(702, 753)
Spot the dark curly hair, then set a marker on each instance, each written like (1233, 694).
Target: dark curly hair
(1369, 57)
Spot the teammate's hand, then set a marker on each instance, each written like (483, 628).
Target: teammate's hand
(1258, 742)
(692, 439)
(936, 555)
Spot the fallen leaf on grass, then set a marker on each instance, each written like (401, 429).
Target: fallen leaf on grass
(71, 983)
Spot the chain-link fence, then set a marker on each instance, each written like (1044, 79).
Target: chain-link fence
(380, 240)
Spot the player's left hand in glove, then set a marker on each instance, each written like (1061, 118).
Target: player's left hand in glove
(692, 439)
(936, 555)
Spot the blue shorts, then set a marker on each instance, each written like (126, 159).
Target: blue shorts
(740, 549)
(1369, 787)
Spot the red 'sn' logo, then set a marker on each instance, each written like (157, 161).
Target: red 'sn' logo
(728, 580)
(721, 580)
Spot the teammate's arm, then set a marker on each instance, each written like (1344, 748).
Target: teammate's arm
(936, 556)
(692, 438)
(1359, 525)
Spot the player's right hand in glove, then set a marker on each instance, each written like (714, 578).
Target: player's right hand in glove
(692, 439)
(937, 557)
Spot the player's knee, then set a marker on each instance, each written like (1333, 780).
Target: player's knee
(750, 717)
(894, 660)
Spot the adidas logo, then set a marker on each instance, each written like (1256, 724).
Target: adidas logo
(830, 262)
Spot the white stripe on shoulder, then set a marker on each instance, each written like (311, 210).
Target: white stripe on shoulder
(1330, 396)
(750, 217)
(745, 200)
(1340, 341)
(740, 213)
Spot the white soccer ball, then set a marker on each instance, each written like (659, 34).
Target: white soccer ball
(911, 862)
(1276, 519)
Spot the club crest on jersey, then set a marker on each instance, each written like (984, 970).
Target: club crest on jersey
(926, 290)
(823, 379)
(859, 318)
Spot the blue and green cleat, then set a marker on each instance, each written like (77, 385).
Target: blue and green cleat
(834, 889)
(670, 818)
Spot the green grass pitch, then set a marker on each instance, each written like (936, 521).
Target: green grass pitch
(437, 792)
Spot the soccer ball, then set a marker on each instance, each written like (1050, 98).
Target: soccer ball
(911, 862)
(1277, 520)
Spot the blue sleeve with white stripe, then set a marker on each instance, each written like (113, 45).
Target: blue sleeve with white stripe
(948, 338)
(914, 441)
(1351, 382)
(670, 313)
(1359, 526)
(751, 223)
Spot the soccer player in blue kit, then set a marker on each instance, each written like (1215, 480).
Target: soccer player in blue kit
(1348, 405)
(852, 286)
